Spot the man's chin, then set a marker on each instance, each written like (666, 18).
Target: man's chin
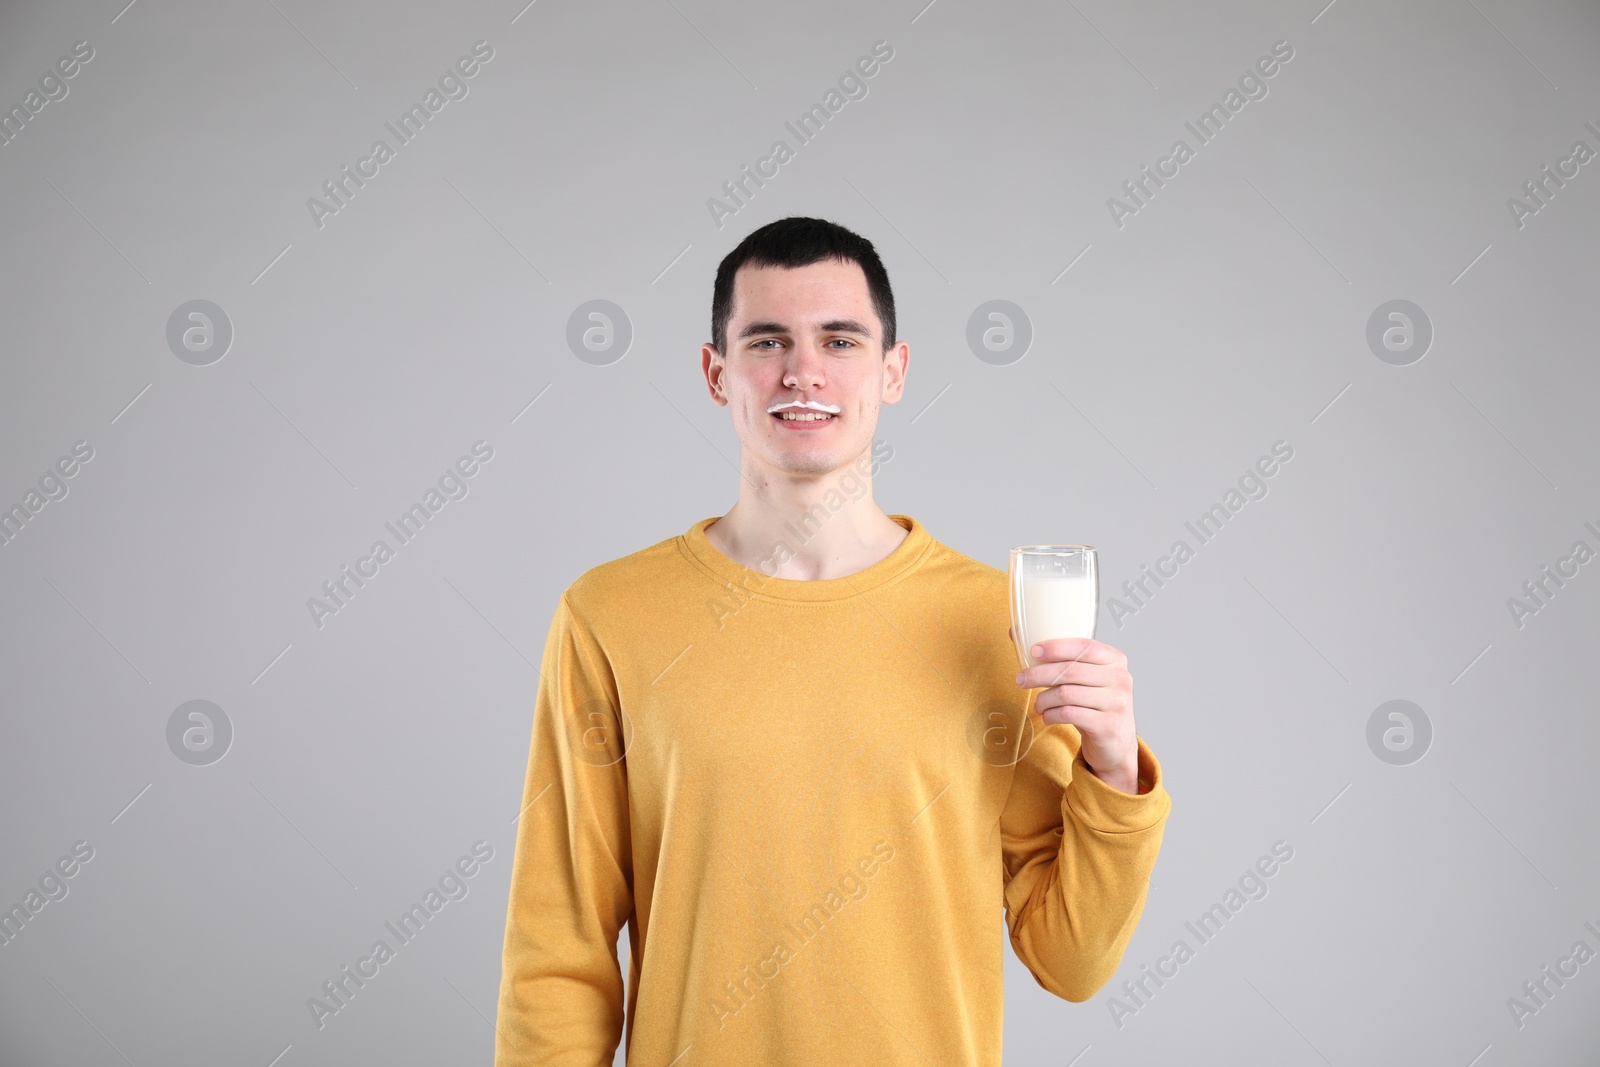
(807, 464)
(811, 466)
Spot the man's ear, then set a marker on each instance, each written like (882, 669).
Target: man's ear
(895, 363)
(711, 366)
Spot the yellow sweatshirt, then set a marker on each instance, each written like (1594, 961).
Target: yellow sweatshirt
(807, 801)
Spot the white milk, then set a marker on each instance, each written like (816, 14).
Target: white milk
(1057, 607)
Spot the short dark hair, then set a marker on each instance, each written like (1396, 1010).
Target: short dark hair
(798, 242)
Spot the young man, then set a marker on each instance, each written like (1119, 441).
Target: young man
(790, 750)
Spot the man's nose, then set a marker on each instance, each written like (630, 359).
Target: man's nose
(807, 367)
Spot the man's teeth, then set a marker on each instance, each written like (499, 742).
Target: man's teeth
(803, 416)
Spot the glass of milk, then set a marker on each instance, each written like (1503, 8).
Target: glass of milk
(1055, 590)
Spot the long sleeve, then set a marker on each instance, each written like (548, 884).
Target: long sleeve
(1077, 859)
(561, 987)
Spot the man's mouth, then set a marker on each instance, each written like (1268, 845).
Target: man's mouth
(804, 412)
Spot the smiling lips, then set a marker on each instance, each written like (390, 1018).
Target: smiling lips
(803, 413)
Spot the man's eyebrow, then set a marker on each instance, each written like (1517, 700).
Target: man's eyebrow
(754, 328)
(831, 326)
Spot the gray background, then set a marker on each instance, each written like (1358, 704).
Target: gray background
(370, 353)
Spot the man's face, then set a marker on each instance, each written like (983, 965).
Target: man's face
(804, 334)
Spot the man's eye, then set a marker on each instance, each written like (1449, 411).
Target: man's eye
(765, 341)
(845, 340)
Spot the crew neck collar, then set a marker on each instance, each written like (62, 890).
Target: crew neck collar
(697, 547)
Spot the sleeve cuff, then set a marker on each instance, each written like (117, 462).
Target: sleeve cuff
(1108, 809)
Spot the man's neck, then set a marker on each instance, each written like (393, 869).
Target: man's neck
(806, 530)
